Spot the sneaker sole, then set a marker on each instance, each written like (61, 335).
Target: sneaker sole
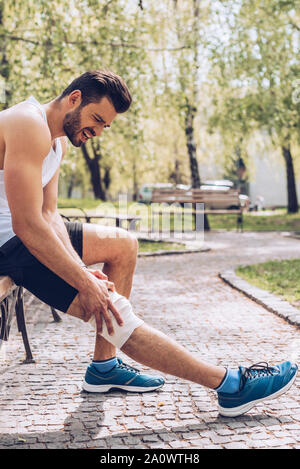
(105, 388)
(236, 411)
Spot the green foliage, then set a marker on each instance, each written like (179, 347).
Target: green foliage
(50, 43)
(256, 70)
(232, 64)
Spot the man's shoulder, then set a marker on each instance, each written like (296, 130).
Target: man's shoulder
(24, 124)
(27, 114)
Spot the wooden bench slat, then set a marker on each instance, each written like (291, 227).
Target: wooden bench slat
(199, 212)
(206, 197)
(194, 196)
(196, 200)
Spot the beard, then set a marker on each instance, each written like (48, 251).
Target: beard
(72, 126)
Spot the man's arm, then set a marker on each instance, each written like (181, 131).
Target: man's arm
(51, 214)
(27, 142)
(26, 145)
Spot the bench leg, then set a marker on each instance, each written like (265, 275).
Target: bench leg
(132, 225)
(5, 320)
(56, 316)
(22, 326)
(240, 222)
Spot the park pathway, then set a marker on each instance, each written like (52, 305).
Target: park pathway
(42, 406)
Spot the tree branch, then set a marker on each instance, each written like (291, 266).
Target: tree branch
(95, 43)
(17, 38)
(293, 23)
(105, 7)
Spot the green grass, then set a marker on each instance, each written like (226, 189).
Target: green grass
(279, 277)
(82, 203)
(277, 220)
(152, 246)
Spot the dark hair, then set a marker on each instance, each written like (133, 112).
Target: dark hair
(98, 83)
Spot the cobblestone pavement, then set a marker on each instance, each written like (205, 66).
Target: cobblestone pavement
(42, 405)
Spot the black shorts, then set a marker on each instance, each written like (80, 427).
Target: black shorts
(25, 270)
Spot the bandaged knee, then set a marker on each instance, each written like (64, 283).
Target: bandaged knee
(130, 321)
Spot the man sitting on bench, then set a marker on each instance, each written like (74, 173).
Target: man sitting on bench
(49, 257)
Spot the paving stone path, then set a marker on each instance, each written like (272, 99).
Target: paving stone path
(42, 406)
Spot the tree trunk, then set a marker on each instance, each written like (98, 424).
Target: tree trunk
(191, 145)
(107, 181)
(134, 181)
(70, 187)
(99, 193)
(291, 184)
(106, 178)
(191, 148)
(95, 174)
(4, 66)
(175, 175)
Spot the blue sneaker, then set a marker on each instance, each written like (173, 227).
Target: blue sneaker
(259, 382)
(122, 376)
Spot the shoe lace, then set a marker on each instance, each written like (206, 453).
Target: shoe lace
(127, 367)
(257, 370)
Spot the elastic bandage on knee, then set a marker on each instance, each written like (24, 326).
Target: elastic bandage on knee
(130, 321)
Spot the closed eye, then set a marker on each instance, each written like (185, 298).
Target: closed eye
(101, 121)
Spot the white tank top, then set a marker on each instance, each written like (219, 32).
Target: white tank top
(50, 165)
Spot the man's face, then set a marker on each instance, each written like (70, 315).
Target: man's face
(88, 121)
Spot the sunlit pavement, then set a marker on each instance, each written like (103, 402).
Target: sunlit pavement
(42, 406)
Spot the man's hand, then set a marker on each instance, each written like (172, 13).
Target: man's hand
(95, 300)
(99, 274)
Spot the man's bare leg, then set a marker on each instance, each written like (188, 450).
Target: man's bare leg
(167, 355)
(170, 357)
(104, 245)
